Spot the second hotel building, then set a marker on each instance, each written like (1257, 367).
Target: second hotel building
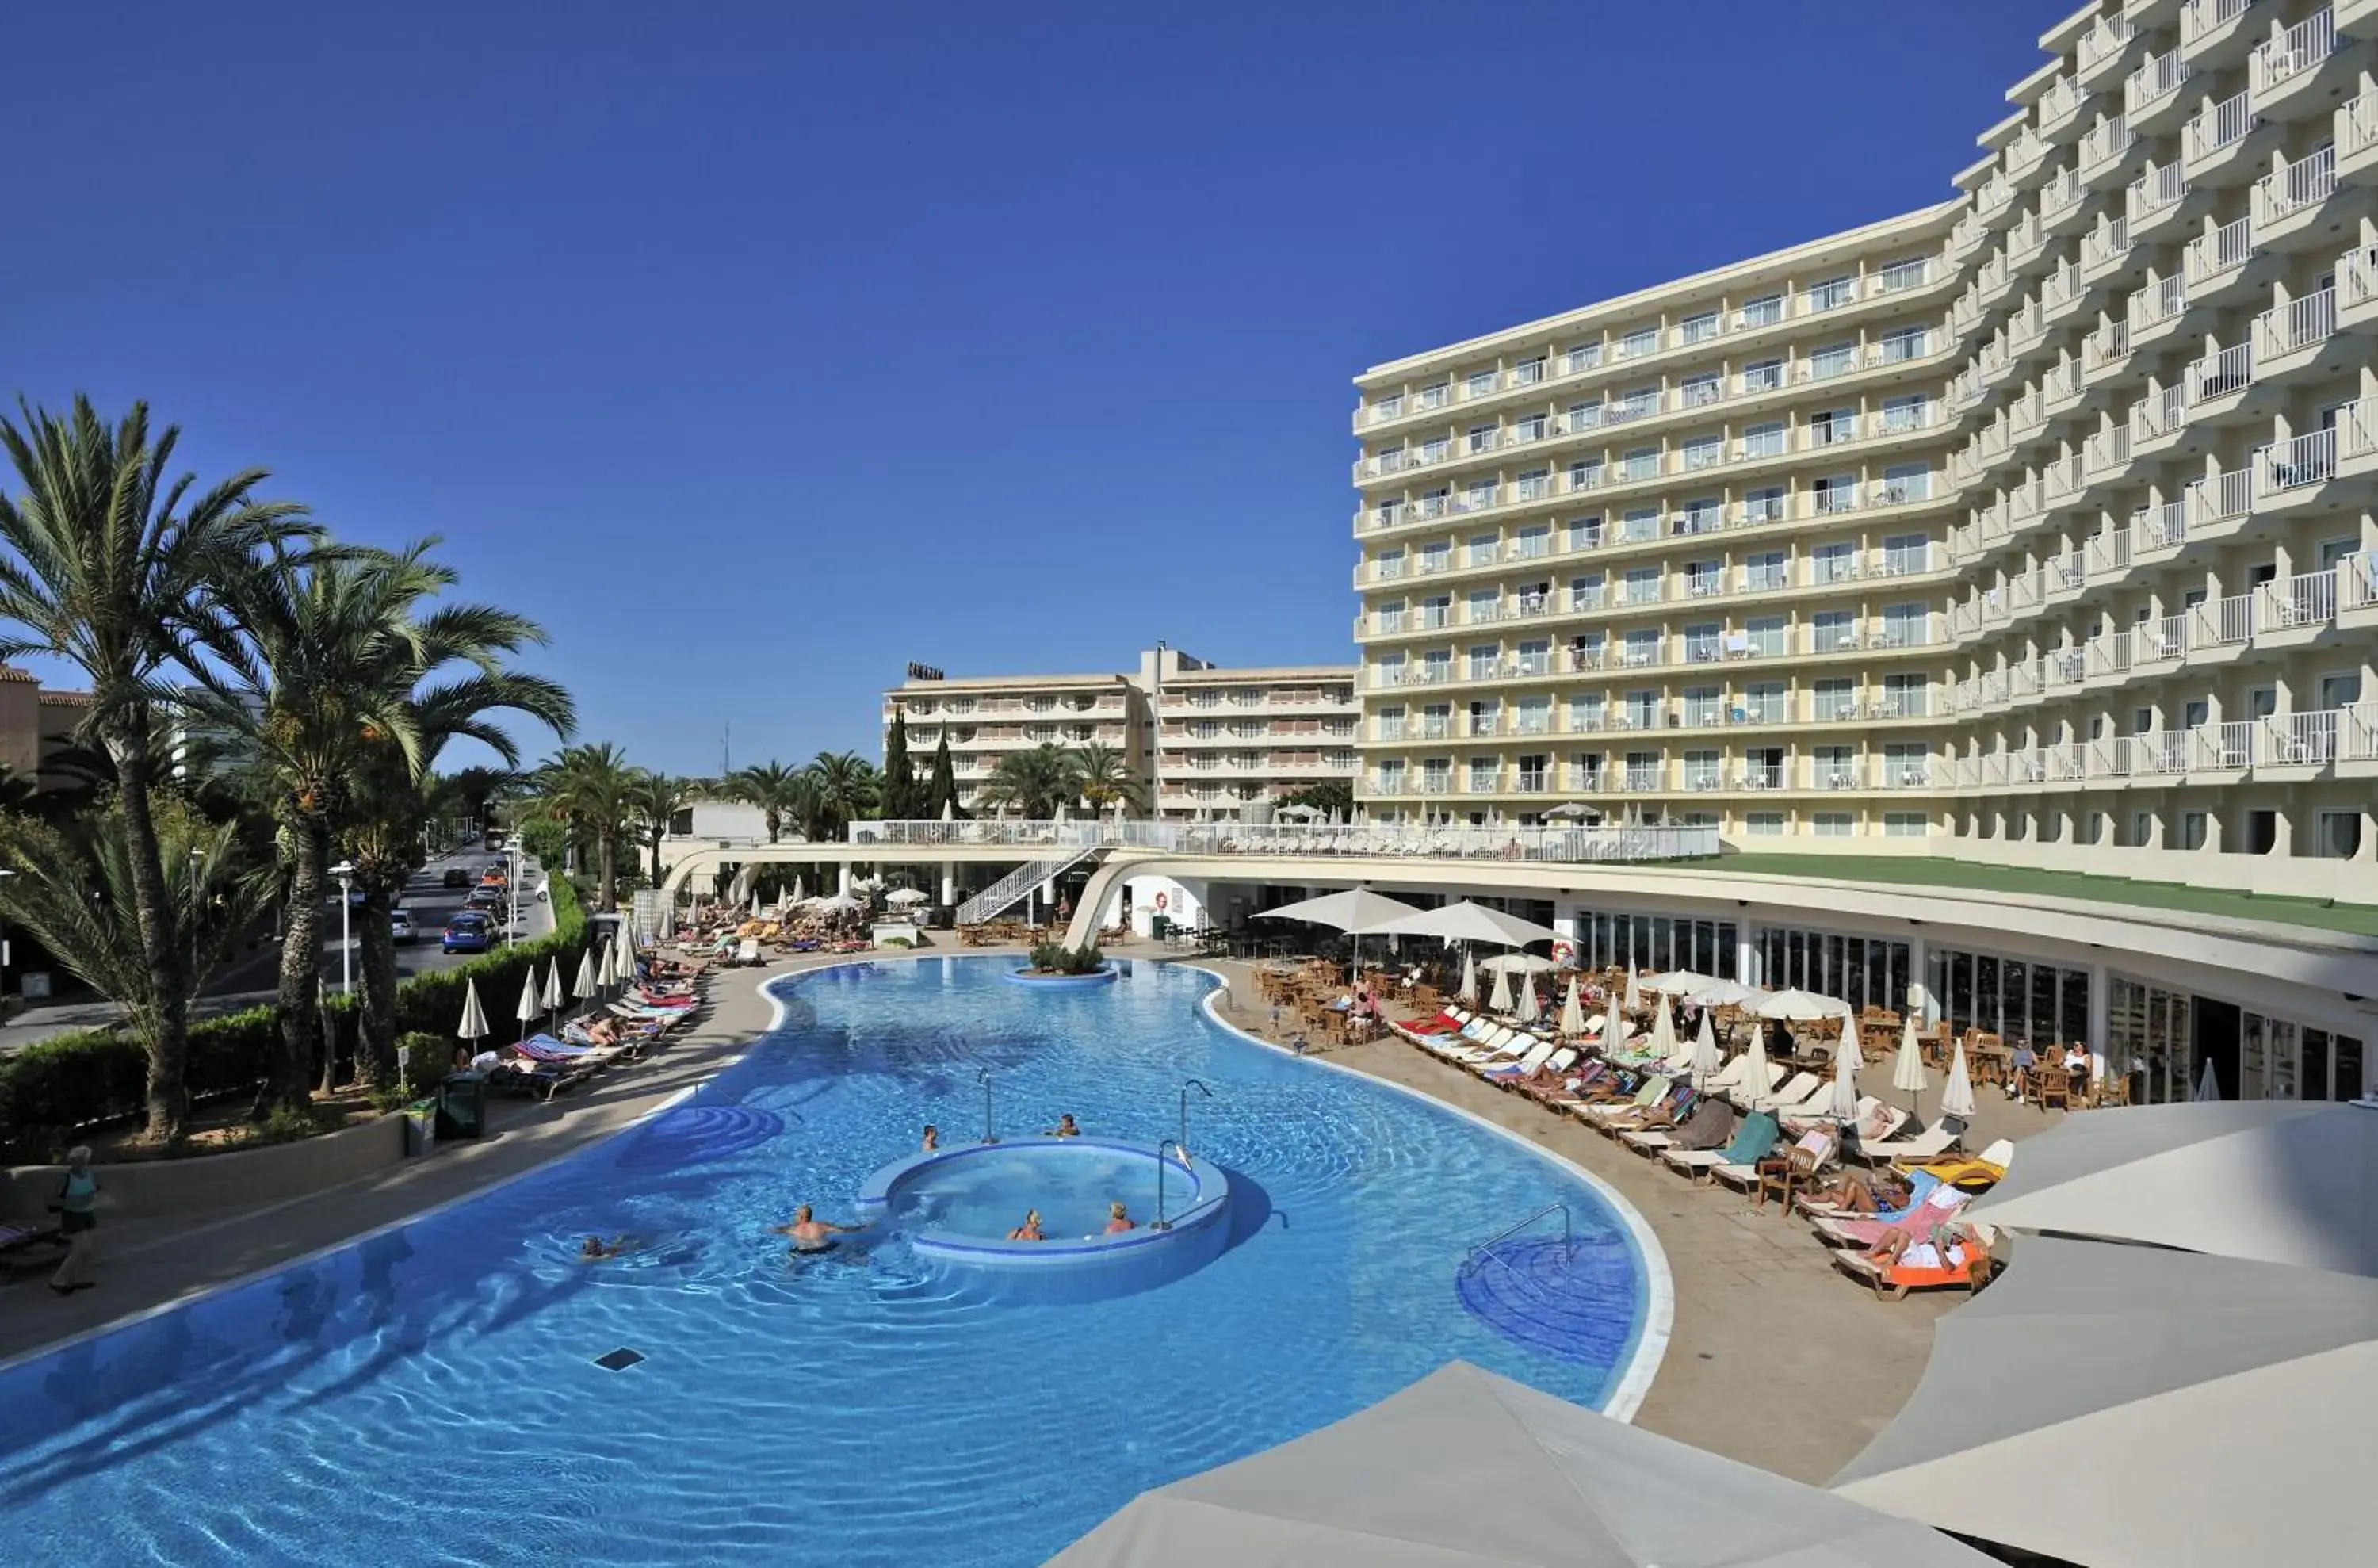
(2035, 525)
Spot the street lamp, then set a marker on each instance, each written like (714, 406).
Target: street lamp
(511, 894)
(4, 871)
(345, 872)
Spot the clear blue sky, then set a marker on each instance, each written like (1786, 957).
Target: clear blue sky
(759, 348)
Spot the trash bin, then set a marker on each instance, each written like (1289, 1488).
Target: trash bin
(462, 1105)
(1161, 927)
(420, 1127)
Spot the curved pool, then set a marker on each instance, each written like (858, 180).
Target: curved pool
(433, 1392)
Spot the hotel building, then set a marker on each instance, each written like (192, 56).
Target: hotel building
(2034, 527)
(1206, 742)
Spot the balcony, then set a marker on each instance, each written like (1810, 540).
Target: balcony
(2294, 465)
(2282, 195)
(2287, 62)
(2299, 326)
(2153, 86)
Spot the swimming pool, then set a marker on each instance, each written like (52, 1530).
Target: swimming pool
(431, 1393)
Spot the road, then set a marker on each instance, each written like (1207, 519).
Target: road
(251, 979)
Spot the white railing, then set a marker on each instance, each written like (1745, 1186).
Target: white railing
(2222, 622)
(2221, 496)
(1069, 840)
(2221, 373)
(2203, 16)
(2300, 49)
(2358, 124)
(2159, 527)
(2307, 182)
(2158, 77)
(2160, 300)
(2224, 746)
(2103, 145)
(2302, 460)
(2102, 42)
(2225, 250)
(2155, 190)
(2300, 323)
(2296, 603)
(2357, 581)
(2300, 740)
(2218, 126)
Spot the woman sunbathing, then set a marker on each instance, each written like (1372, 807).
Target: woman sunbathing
(1853, 1194)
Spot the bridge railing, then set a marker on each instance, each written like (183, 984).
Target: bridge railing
(1562, 844)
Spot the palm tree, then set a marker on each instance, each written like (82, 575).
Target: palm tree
(1103, 780)
(72, 887)
(658, 798)
(1036, 781)
(590, 790)
(115, 565)
(771, 786)
(847, 789)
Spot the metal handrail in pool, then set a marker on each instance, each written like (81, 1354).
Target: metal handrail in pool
(1487, 1248)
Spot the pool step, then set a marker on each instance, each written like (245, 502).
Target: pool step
(1578, 1305)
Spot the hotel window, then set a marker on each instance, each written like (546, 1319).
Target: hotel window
(1481, 437)
(1704, 578)
(1390, 563)
(1484, 659)
(1533, 657)
(1639, 524)
(1581, 357)
(1833, 359)
(1905, 554)
(1436, 775)
(1833, 631)
(1764, 504)
(1532, 716)
(2192, 830)
(1908, 411)
(1527, 372)
(1536, 483)
(1703, 514)
(1586, 713)
(1906, 764)
(1437, 665)
(1836, 562)
(1585, 533)
(1836, 492)
(1478, 383)
(1390, 723)
(1587, 593)
(1764, 569)
(1585, 771)
(1907, 625)
(1904, 482)
(1829, 427)
(1763, 824)
(1388, 617)
(1435, 611)
(1529, 427)
(1763, 440)
(1697, 328)
(1903, 343)
(1763, 703)
(1906, 696)
(1532, 542)
(1436, 395)
(1391, 776)
(1589, 650)
(1480, 549)
(1703, 641)
(1478, 495)
(1913, 272)
(1765, 375)
(1583, 416)
(1642, 340)
(1435, 448)
(1763, 635)
(1436, 555)
(1764, 311)
(1485, 773)
(1485, 606)
(1642, 648)
(1700, 770)
(1831, 294)
(1833, 698)
(1436, 722)
(1642, 585)
(1388, 407)
(2336, 835)
(1639, 403)
(1644, 770)
(1704, 452)
(1585, 474)
(1642, 710)
(1697, 391)
(1832, 825)
(1705, 705)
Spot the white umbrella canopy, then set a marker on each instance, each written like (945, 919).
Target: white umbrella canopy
(2209, 1086)
(836, 903)
(1846, 1066)
(553, 984)
(1957, 1094)
(1466, 922)
(1465, 1467)
(532, 1006)
(1707, 1057)
(2131, 1388)
(1500, 1002)
(1529, 1008)
(800, 891)
(1572, 1017)
(1664, 1031)
(1725, 994)
(1634, 993)
(1468, 980)
(1677, 981)
(1757, 1077)
(1614, 1031)
(2281, 1181)
(1519, 963)
(474, 1019)
(587, 983)
(908, 895)
(1357, 911)
(1801, 1006)
(1907, 1069)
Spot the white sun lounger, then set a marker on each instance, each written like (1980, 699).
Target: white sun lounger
(1933, 1141)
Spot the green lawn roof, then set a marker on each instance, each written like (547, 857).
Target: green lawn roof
(1924, 871)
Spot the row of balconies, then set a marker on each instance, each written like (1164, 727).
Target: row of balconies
(1693, 714)
(1206, 699)
(1879, 635)
(2285, 746)
(1275, 761)
(1819, 433)
(1067, 707)
(1692, 776)
(1778, 504)
(1638, 350)
(1839, 569)
(1017, 735)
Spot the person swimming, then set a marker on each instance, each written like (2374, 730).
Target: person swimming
(1029, 1230)
(1064, 1128)
(1118, 1220)
(811, 1233)
(932, 1138)
(595, 1248)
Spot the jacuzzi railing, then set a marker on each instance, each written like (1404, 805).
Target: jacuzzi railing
(1484, 1250)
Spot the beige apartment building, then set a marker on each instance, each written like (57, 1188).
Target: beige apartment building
(2034, 527)
(1206, 742)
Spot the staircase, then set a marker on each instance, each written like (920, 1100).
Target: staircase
(1009, 890)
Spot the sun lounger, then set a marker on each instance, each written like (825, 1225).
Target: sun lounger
(1541, 1052)
(1751, 1142)
(1979, 1174)
(541, 1081)
(1677, 1102)
(1925, 1265)
(1647, 1094)
(1940, 1204)
(1793, 1093)
(1746, 1096)
(1550, 1068)
(1932, 1142)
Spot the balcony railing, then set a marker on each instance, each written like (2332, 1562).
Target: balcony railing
(2305, 183)
(2218, 126)
(2303, 460)
(2300, 323)
(2203, 16)
(2158, 77)
(2301, 48)
(2224, 251)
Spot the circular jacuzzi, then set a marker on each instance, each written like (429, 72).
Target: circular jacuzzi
(957, 1207)
(1103, 975)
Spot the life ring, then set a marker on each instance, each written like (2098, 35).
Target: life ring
(1161, 900)
(1564, 952)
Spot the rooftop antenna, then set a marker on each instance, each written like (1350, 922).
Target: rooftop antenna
(726, 753)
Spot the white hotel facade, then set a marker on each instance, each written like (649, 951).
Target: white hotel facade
(2033, 527)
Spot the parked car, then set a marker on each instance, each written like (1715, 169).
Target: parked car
(485, 897)
(467, 933)
(455, 877)
(399, 926)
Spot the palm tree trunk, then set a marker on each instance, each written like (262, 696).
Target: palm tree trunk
(376, 1046)
(287, 1077)
(169, 1046)
(606, 846)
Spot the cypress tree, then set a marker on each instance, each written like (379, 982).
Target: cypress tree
(899, 800)
(941, 789)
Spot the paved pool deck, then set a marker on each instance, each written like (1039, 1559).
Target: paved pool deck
(1776, 1359)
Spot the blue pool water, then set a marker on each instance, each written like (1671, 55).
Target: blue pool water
(430, 1395)
(987, 1194)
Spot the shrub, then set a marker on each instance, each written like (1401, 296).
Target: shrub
(1055, 957)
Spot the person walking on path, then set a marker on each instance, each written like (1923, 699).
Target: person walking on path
(76, 1202)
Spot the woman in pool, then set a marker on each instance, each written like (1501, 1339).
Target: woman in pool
(1029, 1230)
(1064, 1128)
(1118, 1220)
(812, 1234)
(932, 1138)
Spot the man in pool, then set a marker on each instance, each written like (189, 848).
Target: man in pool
(1064, 1128)
(812, 1234)
(595, 1248)
(1118, 1220)
(1029, 1230)
(932, 1138)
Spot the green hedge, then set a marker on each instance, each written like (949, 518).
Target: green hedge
(73, 1080)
